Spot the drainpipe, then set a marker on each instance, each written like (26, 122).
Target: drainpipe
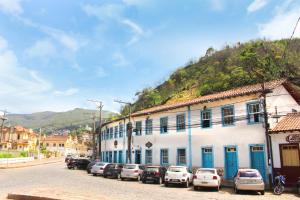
(190, 138)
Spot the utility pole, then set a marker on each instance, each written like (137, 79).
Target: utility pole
(129, 129)
(266, 125)
(39, 144)
(3, 118)
(94, 132)
(99, 106)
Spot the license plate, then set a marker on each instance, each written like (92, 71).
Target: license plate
(204, 182)
(174, 180)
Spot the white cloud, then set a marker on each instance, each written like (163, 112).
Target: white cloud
(103, 12)
(138, 32)
(281, 25)
(217, 4)
(42, 48)
(257, 5)
(135, 2)
(120, 60)
(12, 7)
(68, 92)
(100, 72)
(3, 43)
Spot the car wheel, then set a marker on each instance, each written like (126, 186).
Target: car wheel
(143, 181)
(159, 181)
(94, 174)
(236, 190)
(104, 176)
(196, 188)
(262, 192)
(166, 184)
(187, 183)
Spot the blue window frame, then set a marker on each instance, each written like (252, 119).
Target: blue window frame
(116, 131)
(121, 130)
(148, 156)
(180, 122)
(164, 125)
(181, 156)
(254, 112)
(149, 127)
(107, 133)
(138, 128)
(164, 156)
(111, 133)
(206, 121)
(228, 118)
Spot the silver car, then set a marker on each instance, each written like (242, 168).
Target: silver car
(249, 179)
(132, 171)
(98, 168)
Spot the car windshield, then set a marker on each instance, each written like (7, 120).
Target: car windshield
(249, 174)
(151, 169)
(176, 169)
(129, 167)
(206, 171)
(100, 164)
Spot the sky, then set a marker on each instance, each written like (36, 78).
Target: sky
(57, 54)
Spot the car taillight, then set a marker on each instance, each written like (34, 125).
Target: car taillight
(184, 175)
(136, 171)
(215, 177)
(195, 177)
(238, 174)
(157, 174)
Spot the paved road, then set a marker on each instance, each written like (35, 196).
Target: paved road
(54, 180)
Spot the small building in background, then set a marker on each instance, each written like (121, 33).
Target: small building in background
(285, 139)
(59, 145)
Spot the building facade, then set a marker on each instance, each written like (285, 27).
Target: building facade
(224, 130)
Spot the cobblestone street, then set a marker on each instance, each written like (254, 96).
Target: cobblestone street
(54, 180)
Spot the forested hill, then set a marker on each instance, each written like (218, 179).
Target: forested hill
(233, 66)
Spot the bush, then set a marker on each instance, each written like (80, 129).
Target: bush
(23, 154)
(6, 155)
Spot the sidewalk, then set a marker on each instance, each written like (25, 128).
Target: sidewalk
(32, 163)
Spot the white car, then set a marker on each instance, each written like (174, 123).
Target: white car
(98, 168)
(178, 175)
(132, 171)
(206, 177)
(249, 179)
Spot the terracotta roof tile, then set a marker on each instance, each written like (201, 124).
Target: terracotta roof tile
(55, 138)
(240, 91)
(291, 122)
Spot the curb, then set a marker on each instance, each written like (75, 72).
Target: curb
(30, 165)
(27, 197)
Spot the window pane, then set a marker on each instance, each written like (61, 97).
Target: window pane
(148, 157)
(228, 115)
(181, 156)
(164, 156)
(149, 126)
(206, 119)
(164, 125)
(138, 128)
(180, 122)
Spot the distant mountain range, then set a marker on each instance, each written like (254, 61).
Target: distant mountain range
(58, 120)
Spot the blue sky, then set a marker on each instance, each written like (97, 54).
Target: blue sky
(56, 54)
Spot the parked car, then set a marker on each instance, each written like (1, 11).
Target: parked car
(155, 174)
(78, 163)
(249, 179)
(132, 171)
(112, 170)
(206, 177)
(90, 165)
(178, 175)
(68, 158)
(98, 168)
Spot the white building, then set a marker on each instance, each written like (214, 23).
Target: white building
(224, 130)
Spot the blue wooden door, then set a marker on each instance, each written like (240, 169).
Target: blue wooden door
(207, 157)
(115, 156)
(120, 159)
(258, 159)
(138, 157)
(231, 164)
(110, 157)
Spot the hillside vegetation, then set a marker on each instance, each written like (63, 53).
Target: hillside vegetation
(57, 120)
(233, 66)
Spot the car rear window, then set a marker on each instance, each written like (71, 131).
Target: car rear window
(205, 171)
(100, 164)
(129, 167)
(151, 169)
(249, 174)
(176, 169)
